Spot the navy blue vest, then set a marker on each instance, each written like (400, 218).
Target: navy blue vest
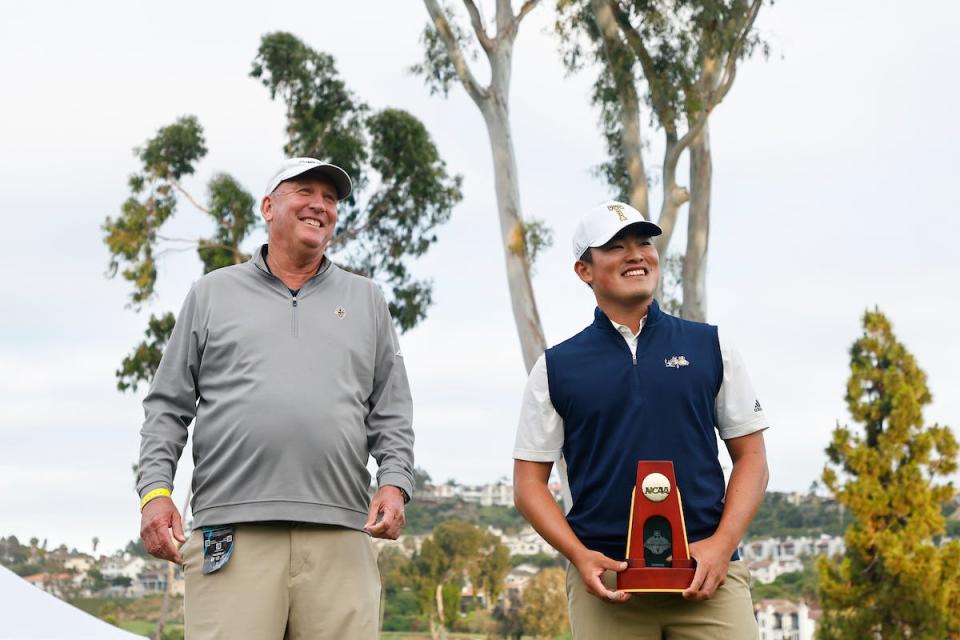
(617, 411)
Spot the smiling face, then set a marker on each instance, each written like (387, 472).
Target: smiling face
(301, 215)
(623, 272)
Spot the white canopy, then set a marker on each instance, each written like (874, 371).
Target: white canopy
(27, 613)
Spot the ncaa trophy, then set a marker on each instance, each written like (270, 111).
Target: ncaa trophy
(658, 558)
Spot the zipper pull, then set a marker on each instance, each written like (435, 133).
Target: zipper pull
(294, 302)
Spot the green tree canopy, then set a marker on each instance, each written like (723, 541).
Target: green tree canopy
(402, 193)
(543, 612)
(455, 552)
(894, 580)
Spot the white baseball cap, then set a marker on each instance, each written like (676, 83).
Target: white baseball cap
(293, 167)
(606, 220)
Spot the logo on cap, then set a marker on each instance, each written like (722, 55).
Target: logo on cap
(618, 208)
(341, 312)
(655, 487)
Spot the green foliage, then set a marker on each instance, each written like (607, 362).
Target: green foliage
(796, 585)
(422, 517)
(232, 210)
(893, 581)
(455, 552)
(136, 548)
(132, 237)
(135, 242)
(140, 365)
(537, 236)
(402, 190)
(397, 172)
(779, 517)
(421, 479)
(324, 119)
(414, 195)
(543, 613)
(437, 67)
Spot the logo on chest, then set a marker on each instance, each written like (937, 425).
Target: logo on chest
(676, 362)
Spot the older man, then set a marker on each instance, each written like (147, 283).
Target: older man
(292, 369)
(638, 384)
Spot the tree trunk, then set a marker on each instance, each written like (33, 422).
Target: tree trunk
(493, 103)
(439, 631)
(630, 136)
(524, 304)
(698, 229)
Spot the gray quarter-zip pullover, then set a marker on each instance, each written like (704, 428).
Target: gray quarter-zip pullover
(291, 394)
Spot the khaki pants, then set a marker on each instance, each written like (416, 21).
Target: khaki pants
(284, 581)
(728, 615)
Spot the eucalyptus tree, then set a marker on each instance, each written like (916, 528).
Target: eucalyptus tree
(678, 59)
(402, 193)
(449, 48)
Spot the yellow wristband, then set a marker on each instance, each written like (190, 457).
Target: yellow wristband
(156, 493)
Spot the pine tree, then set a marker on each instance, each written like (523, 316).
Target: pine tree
(896, 579)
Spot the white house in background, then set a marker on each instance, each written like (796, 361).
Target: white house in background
(791, 548)
(123, 565)
(785, 620)
(516, 581)
(526, 543)
(766, 571)
(80, 564)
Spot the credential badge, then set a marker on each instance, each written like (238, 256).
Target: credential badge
(676, 362)
(341, 312)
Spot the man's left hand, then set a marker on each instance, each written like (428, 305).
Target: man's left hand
(385, 519)
(713, 560)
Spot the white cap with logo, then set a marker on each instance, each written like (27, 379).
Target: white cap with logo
(606, 220)
(293, 167)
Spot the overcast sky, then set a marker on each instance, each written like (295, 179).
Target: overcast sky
(834, 191)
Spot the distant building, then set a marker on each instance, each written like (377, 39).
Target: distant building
(791, 548)
(80, 564)
(123, 565)
(526, 543)
(153, 579)
(54, 583)
(785, 620)
(516, 581)
(766, 571)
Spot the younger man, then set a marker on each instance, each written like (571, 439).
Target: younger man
(639, 384)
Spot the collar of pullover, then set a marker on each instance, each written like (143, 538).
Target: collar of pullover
(259, 262)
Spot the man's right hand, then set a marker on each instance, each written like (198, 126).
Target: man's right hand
(159, 519)
(591, 565)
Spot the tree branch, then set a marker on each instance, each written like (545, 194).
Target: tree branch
(655, 81)
(526, 8)
(478, 28)
(440, 22)
(176, 185)
(730, 68)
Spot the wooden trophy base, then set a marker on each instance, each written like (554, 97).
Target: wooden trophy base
(640, 579)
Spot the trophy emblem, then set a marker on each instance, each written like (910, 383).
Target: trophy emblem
(658, 557)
